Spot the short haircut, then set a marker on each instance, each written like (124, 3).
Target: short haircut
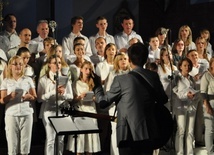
(7, 17)
(77, 39)
(75, 18)
(22, 50)
(100, 18)
(48, 40)
(138, 54)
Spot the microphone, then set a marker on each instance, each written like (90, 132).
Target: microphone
(52, 24)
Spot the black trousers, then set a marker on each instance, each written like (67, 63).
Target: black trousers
(134, 148)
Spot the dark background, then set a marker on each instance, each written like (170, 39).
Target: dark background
(148, 14)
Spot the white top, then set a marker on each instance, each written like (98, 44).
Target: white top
(164, 78)
(153, 54)
(67, 44)
(109, 39)
(181, 100)
(15, 108)
(3, 64)
(122, 39)
(8, 41)
(46, 93)
(39, 41)
(103, 69)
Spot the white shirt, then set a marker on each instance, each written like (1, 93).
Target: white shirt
(109, 39)
(103, 69)
(17, 107)
(38, 40)
(9, 40)
(46, 93)
(67, 45)
(122, 39)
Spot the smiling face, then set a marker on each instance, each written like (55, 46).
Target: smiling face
(16, 66)
(79, 51)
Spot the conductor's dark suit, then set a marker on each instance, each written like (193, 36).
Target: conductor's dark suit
(134, 104)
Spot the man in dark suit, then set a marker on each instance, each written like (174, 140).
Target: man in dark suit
(134, 103)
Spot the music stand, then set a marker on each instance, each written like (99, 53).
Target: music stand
(68, 125)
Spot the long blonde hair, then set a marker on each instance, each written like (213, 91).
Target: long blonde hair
(189, 38)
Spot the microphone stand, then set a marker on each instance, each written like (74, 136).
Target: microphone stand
(170, 77)
(53, 25)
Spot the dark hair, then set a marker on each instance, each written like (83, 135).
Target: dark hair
(100, 18)
(107, 47)
(151, 66)
(77, 39)
(22, 50)
(77, 44)
(185, 59)
(7, 17)
(192, 50)
(75, 18)
(138, 54)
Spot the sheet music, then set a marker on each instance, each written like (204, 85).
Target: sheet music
(63, 80)
(70, 124)
(85, 123)
(63, 124)
(89, 96)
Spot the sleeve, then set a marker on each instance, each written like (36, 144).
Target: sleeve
(204, 86)
(68, 95)
(112, 95)
(88, 48)
(65, 46)
(42, 95)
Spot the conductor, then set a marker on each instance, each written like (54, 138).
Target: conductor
(134, 104)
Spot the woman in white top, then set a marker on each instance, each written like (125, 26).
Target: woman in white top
(185, 34)
(165, 70)
(79, 51)
(103, 68)
(86, 143)
(17, 91)
(121, 66)
(47, 95)
(185, 105)
(207, 93)
(25, 54)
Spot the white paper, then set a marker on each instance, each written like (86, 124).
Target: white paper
(193, 90)
(89, 96)
(63, 80)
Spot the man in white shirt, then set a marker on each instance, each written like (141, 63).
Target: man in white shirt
(122, 38)
(43, 31)
(101, 24)
(67, 42)
(100, 44)
(9, 38)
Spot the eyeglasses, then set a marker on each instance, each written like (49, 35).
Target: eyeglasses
(56, 63)
(17, 64)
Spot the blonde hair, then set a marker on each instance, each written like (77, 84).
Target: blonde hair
(53, 52)
(11, 61)
(205, 50)
(90, 82)
(117, 59)
(189, 38)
